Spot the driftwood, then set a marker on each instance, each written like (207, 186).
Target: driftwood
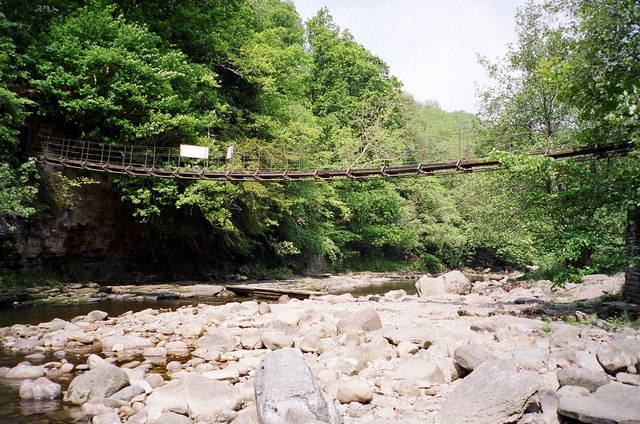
(272, 292)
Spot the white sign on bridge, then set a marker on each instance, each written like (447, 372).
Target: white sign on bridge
(196, 152)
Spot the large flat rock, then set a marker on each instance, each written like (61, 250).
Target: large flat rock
(611, 403)
(495, 392)
(203, 397)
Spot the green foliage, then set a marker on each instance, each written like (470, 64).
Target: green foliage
(64, 190)
(430, 263)
(18, 192)
(522, 107)
(251, 73)
(380, 219)
(601, 74)
(115, 79)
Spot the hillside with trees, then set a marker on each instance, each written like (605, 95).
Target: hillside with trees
(250, 73)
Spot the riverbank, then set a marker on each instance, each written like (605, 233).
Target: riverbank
(77, 293)
(378, 358)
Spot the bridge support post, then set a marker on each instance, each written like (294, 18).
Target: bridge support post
(632, 274)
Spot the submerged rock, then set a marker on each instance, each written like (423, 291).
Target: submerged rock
(25, 370)
(41, 388)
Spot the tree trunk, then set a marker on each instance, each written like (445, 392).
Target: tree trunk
(632, 275)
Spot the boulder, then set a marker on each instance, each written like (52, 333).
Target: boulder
(369, 352)
(395, 295)
(155, 352)
(365, 320)
(495, 392)
(218, 341)
(101, 381)
(286, 391)
(612, 358)
(173, 418)
(457, 283)
(453, 282)
(311, 343)
(96, 315)
(582, 377)
(626, 378)
(177, 348)
(251, 339)
(471, 357)
(229, 373)
(573, 391)
(190, 330)
(429, 286)
(247, 416)
(202, 397)
(41, 388)
(106, 418)
(611, 403)
(530, 358)
(128, 393)
(138, 418)
(419, 369)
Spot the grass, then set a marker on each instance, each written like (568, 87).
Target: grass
(545, 328)
(624, 320)
(12, 279)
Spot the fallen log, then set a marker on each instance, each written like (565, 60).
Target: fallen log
(272, 292)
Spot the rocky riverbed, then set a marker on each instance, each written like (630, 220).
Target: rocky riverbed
(476, 350)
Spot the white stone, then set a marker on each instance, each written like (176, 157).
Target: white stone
(41, 388)
(275, 340)
(354, 390)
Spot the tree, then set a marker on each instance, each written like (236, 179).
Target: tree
(18, 187)
(351, 90)
(602, 81)
(523, 108)
(537, 111)
(114, 80)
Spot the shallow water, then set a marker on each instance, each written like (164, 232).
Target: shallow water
(45, 313)
(16, 411)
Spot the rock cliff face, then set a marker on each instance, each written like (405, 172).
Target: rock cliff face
(98, 232)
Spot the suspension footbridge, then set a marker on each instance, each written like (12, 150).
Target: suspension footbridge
(166, 162)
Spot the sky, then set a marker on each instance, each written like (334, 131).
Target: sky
(430, 45)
